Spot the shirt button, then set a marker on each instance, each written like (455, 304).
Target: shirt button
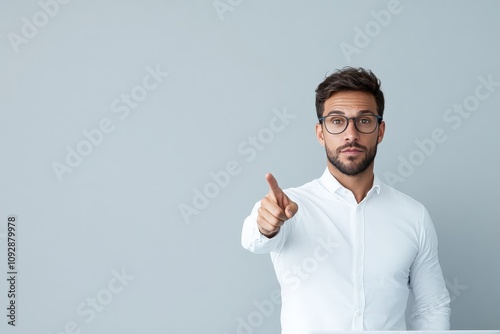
(358, 313)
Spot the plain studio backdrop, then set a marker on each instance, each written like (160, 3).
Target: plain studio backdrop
(135, 136)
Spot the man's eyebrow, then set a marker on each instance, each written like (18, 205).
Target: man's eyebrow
(335, 112)
(360, 112)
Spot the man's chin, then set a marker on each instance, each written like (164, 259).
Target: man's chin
(350, 166)
(352, 158)
(352, 172)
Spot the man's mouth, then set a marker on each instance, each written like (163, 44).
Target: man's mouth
(351, 150)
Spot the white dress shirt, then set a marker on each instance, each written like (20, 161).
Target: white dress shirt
(348, 266)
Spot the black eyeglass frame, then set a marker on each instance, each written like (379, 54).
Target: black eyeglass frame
(378, 117)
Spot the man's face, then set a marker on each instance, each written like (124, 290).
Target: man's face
(350, 152)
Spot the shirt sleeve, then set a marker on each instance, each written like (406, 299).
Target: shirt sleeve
(256, 242)
(431, 310)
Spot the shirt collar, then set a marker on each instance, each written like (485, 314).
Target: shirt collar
(334, 186)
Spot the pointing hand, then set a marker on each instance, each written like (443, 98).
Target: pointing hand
(275, 209)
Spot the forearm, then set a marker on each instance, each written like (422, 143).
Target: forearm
(436, 317)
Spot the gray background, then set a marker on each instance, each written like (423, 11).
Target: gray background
(119, 209)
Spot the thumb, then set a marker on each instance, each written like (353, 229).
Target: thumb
(291, 208)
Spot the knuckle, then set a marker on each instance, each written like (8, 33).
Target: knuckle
(277, 222)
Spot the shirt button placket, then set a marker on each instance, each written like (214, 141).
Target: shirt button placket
(359, 302)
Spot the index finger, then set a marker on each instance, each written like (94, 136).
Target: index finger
(273, 185)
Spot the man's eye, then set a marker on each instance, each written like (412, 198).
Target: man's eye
(337, 120)
(364, 120)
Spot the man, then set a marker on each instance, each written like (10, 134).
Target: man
(347, 249)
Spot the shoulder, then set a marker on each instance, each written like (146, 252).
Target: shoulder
(400, 200)
(308, 191)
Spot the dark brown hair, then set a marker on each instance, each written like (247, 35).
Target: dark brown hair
(349, 79)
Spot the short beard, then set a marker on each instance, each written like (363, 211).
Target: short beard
(351, 169)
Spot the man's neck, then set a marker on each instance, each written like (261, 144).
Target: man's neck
(359, 184)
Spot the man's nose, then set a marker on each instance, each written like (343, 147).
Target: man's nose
(351, 133)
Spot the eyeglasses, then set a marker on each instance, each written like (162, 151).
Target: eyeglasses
(336, 124)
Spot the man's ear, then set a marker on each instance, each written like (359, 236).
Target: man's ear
(319, 134)
(381, 132)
